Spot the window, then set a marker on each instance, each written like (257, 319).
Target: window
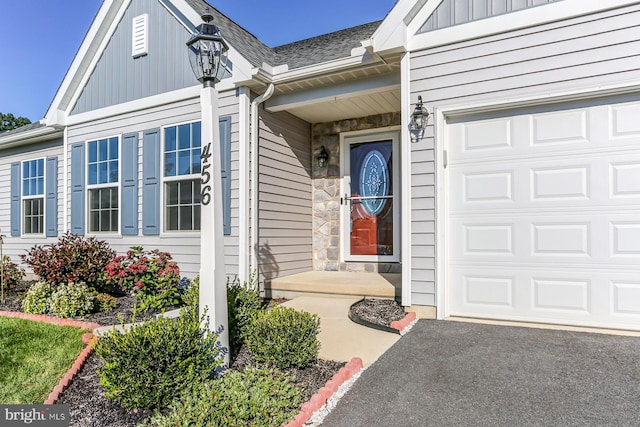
(33, 196)
(103, 179)
(181, 167)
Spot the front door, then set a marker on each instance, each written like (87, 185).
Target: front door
(370, 201)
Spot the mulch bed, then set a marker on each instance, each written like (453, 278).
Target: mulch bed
(379, 311)
(85, 395)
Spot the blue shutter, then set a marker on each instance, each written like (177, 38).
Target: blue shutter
(130, 185)
(15, 199)
(52, 197)
(151, 182)
(77, 188)
(225, 160)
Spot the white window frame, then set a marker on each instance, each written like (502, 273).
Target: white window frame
(90, 187)
(165, 179)
(42, 196)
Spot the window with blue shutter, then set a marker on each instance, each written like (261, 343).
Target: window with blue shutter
(130, 185)
(151, 182)
(181, 175)
(77, 188)
(52, 197)
(33, 197)
(15, 199)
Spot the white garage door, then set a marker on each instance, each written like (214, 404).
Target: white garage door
(544, 214)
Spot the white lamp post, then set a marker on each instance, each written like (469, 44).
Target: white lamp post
(208, 57)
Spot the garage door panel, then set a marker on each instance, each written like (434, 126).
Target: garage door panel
(556, 296)
(544, 215)
(590, 181)
(595, 128)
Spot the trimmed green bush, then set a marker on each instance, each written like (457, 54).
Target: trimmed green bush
(38, 298)
(244, 304)
(72, 300)
(148, 366)
(255, 397)
(105, 302)
(283, 337)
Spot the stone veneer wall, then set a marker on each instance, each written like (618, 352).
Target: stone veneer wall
(326, 194)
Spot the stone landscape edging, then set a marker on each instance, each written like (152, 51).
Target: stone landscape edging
(84, 354)
(318, 400)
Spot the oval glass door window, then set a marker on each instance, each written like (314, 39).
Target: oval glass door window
(374, 182)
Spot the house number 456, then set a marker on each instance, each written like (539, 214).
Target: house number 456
(205, 178)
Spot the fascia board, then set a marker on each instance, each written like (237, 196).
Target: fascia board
(143, 104)
(552, 12)
(52, 115)
(30, 137)
(323, 68)
(391, 34)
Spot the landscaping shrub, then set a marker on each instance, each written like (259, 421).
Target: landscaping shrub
(191, 295)
(12, 274)
(105, 302)
(244, 304)
(283, 337)
(255, 397)
(72, 259)
(38, 298)
(152, 276)
(148, 366)
(72, 300)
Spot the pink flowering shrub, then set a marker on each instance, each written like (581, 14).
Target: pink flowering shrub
(152, 276)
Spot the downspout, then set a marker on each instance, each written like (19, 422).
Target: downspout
(253, 262)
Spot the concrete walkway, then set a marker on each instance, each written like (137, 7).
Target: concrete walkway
(340, 338)
(445, 373)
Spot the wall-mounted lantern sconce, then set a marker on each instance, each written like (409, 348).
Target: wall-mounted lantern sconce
(419, 117)
(322, 157)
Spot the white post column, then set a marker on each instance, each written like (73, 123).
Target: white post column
(213, 280)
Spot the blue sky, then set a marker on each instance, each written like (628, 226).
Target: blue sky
(41, 37)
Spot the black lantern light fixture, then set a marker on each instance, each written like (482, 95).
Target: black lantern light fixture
(208, 52)
(419, 117)
(322, 157)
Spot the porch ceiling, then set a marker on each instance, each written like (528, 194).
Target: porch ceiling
(348, 94)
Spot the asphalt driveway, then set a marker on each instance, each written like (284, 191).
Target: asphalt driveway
(445, 373)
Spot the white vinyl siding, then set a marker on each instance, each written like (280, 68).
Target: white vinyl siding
(184, 248)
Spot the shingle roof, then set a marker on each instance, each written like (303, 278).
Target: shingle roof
(298, 54)
(325, 47)
(21, 129)
(246, 43)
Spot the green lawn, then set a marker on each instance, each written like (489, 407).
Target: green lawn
(34, 356)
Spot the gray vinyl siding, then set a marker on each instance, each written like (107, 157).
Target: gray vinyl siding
(456, 12)
(118, 77)
(183, 246)
(580, 53)
(285, 196)
(15, 246)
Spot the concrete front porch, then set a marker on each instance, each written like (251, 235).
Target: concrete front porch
(336, 283)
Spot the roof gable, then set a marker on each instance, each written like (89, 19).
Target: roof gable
(456, 12)
(417, 24)
(120, 77)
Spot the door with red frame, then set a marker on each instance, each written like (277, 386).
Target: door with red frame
(370, 198)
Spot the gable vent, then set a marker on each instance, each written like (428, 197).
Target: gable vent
(140, 36)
